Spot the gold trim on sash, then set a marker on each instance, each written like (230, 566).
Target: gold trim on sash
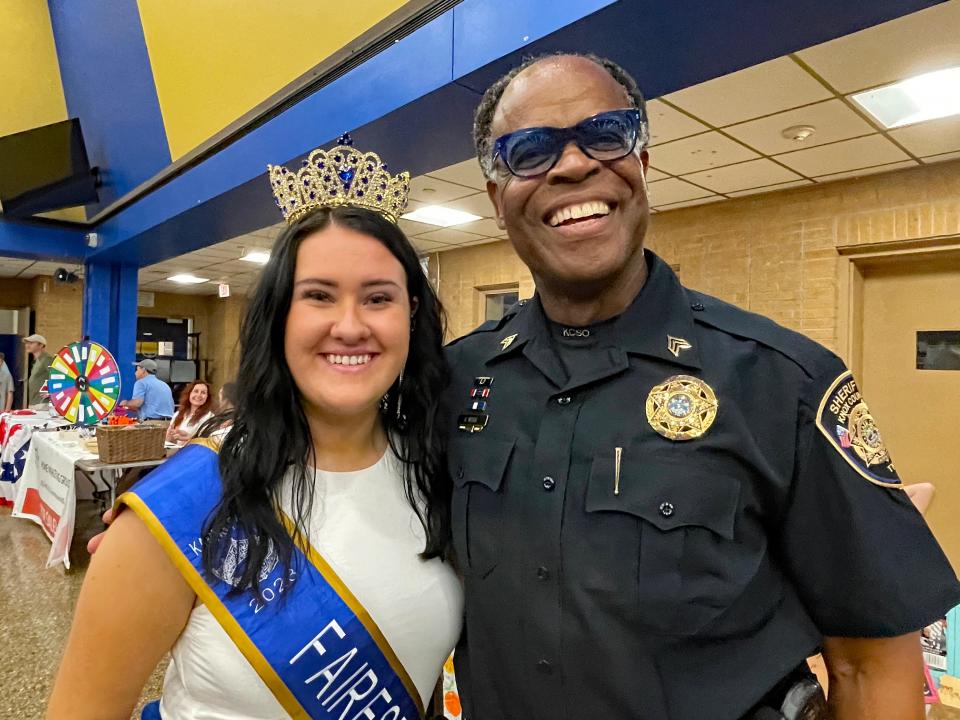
(209, 598)
(351, 601)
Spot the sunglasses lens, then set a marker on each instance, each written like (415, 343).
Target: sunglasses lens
(530, 152)
(609, 136)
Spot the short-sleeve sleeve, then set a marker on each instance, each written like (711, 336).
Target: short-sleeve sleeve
(861, 556)
(139, 390)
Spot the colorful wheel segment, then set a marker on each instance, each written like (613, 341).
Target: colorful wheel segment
(84, 382)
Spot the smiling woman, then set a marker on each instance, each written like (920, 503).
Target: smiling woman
(309, 520)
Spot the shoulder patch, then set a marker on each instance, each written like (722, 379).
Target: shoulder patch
(846, 422)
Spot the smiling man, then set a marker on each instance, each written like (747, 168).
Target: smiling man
(662, 504)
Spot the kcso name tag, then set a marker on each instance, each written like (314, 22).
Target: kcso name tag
(846, 422)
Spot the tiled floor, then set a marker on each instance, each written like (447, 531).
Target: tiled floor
(36, 609)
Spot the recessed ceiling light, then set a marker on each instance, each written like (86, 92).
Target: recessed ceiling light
(256, 256)
(924, 97)
(187, 279)
(440, 215)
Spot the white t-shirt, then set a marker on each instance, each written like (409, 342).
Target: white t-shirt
(189, 427)
(364, 527)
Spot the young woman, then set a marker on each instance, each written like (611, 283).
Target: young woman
(299, 572)
(196, 407)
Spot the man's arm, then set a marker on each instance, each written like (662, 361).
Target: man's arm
(875, 678)
(8, 402)
(134, 404)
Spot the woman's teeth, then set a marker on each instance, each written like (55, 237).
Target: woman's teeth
(348, 359)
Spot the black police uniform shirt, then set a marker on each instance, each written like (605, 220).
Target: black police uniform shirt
(690, 582)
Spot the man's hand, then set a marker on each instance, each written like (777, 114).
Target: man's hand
(875, 678)
(95, 541)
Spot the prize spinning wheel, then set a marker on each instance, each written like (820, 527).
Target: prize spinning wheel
(84, 382)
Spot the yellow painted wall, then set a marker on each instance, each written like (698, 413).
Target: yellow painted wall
(215, 60)
(31, 93)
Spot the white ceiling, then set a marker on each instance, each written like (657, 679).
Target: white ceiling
(717, 140)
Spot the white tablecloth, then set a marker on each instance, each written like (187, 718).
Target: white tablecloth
(46, 492)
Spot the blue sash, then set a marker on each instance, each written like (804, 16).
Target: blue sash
(319, 652)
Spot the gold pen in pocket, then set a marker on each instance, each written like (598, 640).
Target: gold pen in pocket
(618, 453)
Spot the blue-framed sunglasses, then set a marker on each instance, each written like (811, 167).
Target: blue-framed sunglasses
(608, 136)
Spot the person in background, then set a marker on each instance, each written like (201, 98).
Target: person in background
(6, 386)
(227, 397)
(152, 397)
(196, 407)
(36, 345)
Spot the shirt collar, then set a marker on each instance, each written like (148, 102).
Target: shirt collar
(658, 323)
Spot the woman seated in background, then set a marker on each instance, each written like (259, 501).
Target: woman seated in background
(196, 407)
(227, 397)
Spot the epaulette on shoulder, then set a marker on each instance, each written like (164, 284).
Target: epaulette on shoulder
(808, 354)
(492, 325)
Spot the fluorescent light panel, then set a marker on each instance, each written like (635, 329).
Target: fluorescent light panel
(929, 96)
(256, 256)
(187, 279)
(440, 215)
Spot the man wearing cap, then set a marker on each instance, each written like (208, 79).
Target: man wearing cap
(36, 345)
(152, 397)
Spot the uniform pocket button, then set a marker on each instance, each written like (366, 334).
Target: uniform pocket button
(542, 573)
(545, 667)
(666, 509)
(549, 483)
(565, 400)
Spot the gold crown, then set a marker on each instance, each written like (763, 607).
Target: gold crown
(341, 176)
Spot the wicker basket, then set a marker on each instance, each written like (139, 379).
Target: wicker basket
(131, 443)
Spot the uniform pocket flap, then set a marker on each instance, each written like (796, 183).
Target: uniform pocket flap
(665, 494)
(479, 460)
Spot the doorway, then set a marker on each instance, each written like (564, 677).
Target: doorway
(905, 351)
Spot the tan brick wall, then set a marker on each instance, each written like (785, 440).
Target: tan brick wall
(59, 311)
(222, 343)
(775, 254)
(15, 293)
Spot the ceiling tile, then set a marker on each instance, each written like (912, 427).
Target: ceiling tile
(933, 137)
(741, 176)
(425, 246)
(911, 45)
(770, 188)
(448, 236)
(942, 158)
(843, 156)
(412, 227)
(653, 174)
(666, 192)
(478, 204)
(480, 241)
(487, 227)
(463, 173)
(699, 152)
(690, 203)
(832, 119)
(763, 89)
(433, 191)
(867, 171)
(668, 123)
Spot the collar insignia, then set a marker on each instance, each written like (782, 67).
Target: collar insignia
(675, 345)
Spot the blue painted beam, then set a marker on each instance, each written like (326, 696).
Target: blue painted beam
(34, 241)
(110, 314)
(108, 83)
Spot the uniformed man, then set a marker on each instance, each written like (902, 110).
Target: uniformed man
(663, 504)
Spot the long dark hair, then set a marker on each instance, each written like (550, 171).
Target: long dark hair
(269, 433)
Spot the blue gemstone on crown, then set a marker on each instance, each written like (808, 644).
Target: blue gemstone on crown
(346, 176)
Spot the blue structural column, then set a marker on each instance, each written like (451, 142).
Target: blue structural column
(110, 314)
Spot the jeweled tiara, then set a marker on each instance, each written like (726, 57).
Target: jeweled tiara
(341, 176)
